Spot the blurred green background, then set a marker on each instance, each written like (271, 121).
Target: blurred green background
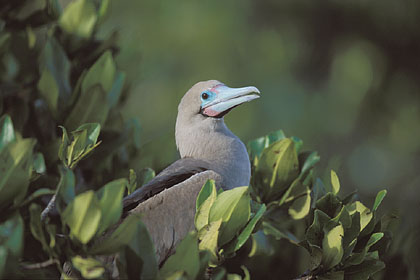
(341, 75)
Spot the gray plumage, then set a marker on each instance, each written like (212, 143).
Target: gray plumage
(208, 150)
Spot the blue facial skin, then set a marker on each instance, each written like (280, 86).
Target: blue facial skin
(210, 97)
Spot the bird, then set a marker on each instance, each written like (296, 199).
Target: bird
(208, 150)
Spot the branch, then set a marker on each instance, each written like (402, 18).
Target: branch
(40, 265)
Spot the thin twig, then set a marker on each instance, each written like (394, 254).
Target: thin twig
(40, 265)
(50, 207)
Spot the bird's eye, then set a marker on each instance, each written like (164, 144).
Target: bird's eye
(204, 96)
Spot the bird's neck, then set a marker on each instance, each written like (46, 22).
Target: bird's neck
(216, 144)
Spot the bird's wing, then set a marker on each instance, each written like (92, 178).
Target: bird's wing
(175, 173)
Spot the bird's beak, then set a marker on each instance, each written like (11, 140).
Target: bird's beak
(227, 98)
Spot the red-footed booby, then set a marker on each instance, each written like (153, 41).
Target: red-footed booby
(208, 150)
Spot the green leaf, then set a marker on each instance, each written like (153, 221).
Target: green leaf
(358, 258)
(309, 161)
(90, 107)
(15, 171)
(141, 244)
(54, 84)
(329, 204)
(36, 194)
(333, 275)
(121, 237)
(79, 18)
(301, 206)
(186, 258)
(238, 242)
(132, 181)
(90, 268)
(82, 215)
(255, 147)
(48, 88)
(36, 226)
(65, 141)
(332, 248)
(110, 201)
(277, 168)
(116, 89)
(146, 175)
(7, 132)
(379, 197)
(208, 236)
(39, 163)
(205, 200)
(233, 208)
(365, 214)
(65, 189)
(364, 270)
(102, 73)
(335, 183)
(11, 235)
(298, 143)
(315, 233)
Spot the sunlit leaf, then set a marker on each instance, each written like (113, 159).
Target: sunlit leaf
(335, 183)
(332, 247)
(90, 268)
(82, 215)
(79, 18)
(205, 200)
(110, 201)
(379, 197)
(7, 133)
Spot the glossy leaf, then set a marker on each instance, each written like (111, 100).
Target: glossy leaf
(121, 237)
(205, 200)
(277, 168)
(335, 183)
(246, 232)
(233, 208)
(185, 259)
(90, 268)
(110, 201)
(82, 215)
(102, 73)
(379, 197)
(365, 214)
(332, 247)
(208, 236)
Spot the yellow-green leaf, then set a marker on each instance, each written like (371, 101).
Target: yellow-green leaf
(332, 248)
(335, 183)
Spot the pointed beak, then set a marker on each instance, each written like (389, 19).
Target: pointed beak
(227, 98)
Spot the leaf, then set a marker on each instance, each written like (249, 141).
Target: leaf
(309, 161)
(65, 189)
(277, 168)
(379, 197)
(65, 141)
(233, 208)
(90, 268)
(54, 84)
(7, 132)
(205, 200)
(39, 163)
(90, 107)
(132, 181)
(110, 202)
(365, 214)
(15, 171)
(82, 215)
(255, 147)
(36, 194)
(315, 233)
(186, 258)
(36, 226)
(116, 89)
(301, 206)
(329, 204)
(364, 270)
(333, 275)
(11, 235)
(141, 244)
(239, 241)
(335, 183)
(318, 190)
(358, 258)
(298, 143)
(102, 73)
(332, 248)
(79, 18)
(208, 236)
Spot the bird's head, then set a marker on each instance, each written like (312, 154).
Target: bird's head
(213, 99)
